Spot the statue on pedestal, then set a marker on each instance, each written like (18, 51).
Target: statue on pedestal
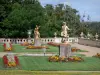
(96, 36)
(88, 35)
(65, 47)
(37, 41)
(55, 34)
(82, 35)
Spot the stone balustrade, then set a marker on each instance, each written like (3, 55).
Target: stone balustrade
(95, 43)
(43, 40)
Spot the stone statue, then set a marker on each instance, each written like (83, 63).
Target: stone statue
(82, 35)
(64, 30)
(36, 32)
(55, 34)
(37, 40)
(96, 36)
(88, 35)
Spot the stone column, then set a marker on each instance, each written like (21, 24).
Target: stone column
(65, 50)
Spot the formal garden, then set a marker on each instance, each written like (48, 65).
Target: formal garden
(42, 63)
(38, 39)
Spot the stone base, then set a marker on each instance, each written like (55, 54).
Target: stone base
(65, 50)
(37, 42)
(29, 41)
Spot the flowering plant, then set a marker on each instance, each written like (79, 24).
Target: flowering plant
(57, 59)
(7, 47)
(35, 47)
(10, 61)
(53, 44)
(64, 59)
(74, 49)
(30, 47)
(97, 55)
(25, 44)
(75, 58)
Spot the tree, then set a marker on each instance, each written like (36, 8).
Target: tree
(17, 16)
(23, 16)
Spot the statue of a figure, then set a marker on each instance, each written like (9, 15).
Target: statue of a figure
(96, 36)
(36, 32)
(88, 35)
(82, 35)
(64, 30)
(55, 34)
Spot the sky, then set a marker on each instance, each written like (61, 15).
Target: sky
(89, 7)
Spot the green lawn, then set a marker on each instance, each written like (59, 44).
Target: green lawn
(82, 51)
(18, 49)
(42, 64)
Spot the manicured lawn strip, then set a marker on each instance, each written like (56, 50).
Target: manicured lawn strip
(1, 64)
(1, 48)
(82, 55)
(16, 72)
(82, 51)
(20, 49)
(41, 64)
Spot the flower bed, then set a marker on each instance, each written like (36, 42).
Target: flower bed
(10, 61)
(25, 44)
(36, 47)
(97, 55)
(53, 44)
(64, 59)
(75, 58)
(7, 47)
(57, 59)
(74, 49)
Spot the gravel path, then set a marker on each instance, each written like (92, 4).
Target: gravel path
(26, 54)
(91, 50)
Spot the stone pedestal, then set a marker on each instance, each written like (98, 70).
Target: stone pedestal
(65, 50)
(29, 41)
(37, 42)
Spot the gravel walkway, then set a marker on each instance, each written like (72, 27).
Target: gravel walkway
(91, 50)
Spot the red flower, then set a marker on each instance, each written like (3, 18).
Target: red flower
(16, 59)
(5, 59)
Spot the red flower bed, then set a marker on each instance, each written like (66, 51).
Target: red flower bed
(74, 49)
(25, 44)
(36, 47)
(53, 44)
(8, 63)
(57, 59)
(97, 55)
(65, 59)
(75, 58)
(10, 48)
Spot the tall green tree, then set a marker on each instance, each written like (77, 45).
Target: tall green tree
(23, 17)
(18, 16)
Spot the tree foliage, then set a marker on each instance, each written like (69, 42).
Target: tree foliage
(18, 16)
